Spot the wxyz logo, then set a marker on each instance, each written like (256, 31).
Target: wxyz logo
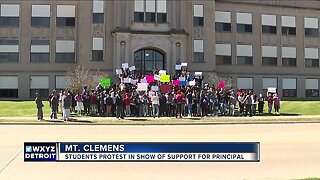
(44, 149)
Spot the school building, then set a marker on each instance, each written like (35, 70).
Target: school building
(259, 44)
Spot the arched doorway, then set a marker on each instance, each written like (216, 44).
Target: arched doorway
(147, 60)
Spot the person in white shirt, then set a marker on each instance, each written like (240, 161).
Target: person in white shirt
(155, 104)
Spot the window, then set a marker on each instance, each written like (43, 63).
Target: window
(311, 26)
(269, 55)
(8, 86)
(289, 56)
(269, 83)
(39, 84)
(269, 24)
(10, 15)
(244, 23)
(61, 82)
(40, 51)
(98, 11)
(223, 54)
(65, 51)
(311, 56)
(312, 87)
(289, 87)
(150, 11)
(9, 50)
(65, 16)
(197, 15)
(40, 16)
(198, 55)
(288, 25)
(222, 21)
(244, 55)
(147, 60)
(97, 49)
(245, 84)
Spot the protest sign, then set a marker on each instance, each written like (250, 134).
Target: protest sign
(184, 64)
(162, 72)
(192, 83)
(142, 87)
(164, 78)
(125, 65)
(178, 67)
(150, 79)
(154, 88)
(118, 71)
(165, 88)
(132, 68)
(127, 80)
(198, 74)
(176, 82)
(105, 82)
(221, 85)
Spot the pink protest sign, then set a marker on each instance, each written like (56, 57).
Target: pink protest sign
(221, 85)
(176, 82)
(150, 79)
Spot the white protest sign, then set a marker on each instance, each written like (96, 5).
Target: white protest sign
(132, 68)
(184, 64)
(134, 82)
(127, 80)
(125, 65)
(118, 71)
(198, 74)
(154, 88)
(192, 83)
(162, 72)
(182, 79)
(144, 80)
(157, 77)
(142, 87)
(178, 67)
(272, 90)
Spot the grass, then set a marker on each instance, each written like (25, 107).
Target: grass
(25, 111)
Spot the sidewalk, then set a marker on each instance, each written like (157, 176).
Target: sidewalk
(163, 120)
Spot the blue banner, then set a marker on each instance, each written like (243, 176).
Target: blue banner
(36, 151)
(159, 147)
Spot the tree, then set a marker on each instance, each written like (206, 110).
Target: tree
(215, 79)
(80, 76)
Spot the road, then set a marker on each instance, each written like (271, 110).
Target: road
(287, 151)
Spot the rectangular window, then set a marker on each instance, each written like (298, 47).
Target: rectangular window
(269, 61)
(312, 87)
(269, 29)
(61, 82)
(161, 11)
(138, 16)
(39, 84)
(289, 57)
(245, 83)
(244, 60)
(198, 55)
(9, 50)
(244, 23)
(311, 56)
(97, 49)
(244, 55)
(288, 31)
(311, 26)
(289, 62)
(244, 28)
(40, 51)
(289, 87)
(288, 25)
(98, 18)
(65, 51)
(222, 21)
(10, 15)
(65, 16)
(40, 16)
(223, 60)
(223, 54)
(150, 17)
(197, 15)
(269, 24)
(8, 86)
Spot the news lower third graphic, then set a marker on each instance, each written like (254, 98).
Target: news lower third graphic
(142, 151)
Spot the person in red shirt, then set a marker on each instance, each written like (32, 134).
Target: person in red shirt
(179, 99)
(270, 102)
(127, 105)
(93, 103)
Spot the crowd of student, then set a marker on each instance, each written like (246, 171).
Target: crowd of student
(123, 100)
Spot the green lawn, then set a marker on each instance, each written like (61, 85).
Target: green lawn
(28, 108)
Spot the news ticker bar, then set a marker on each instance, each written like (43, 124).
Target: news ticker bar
(142, 151)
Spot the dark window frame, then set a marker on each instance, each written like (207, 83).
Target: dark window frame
(245, 60)
(312, 92)
(97, 55)
(9, 21)
(61, 57)
(266, 29)
(9, 93)
(314, 63)
(12, 56)
(198, 21)
(198, 57)
(65, 21)
(98, 18)
(40, 21)
(289, 92)
(289, 31)
(311, 32)
(36, 57)
(44, 93)
(223, 27)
